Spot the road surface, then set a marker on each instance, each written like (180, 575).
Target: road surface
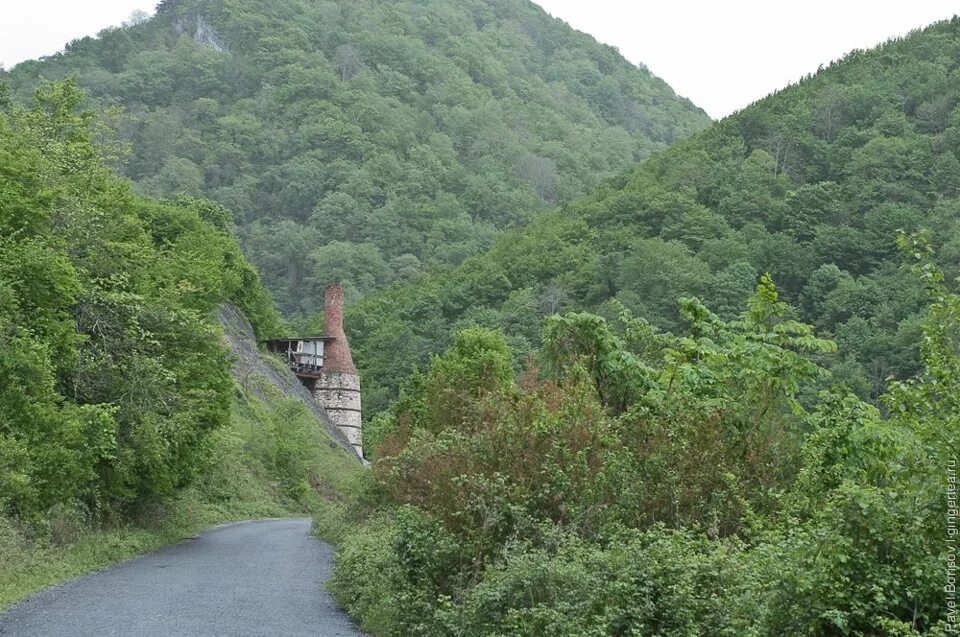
(252, 578)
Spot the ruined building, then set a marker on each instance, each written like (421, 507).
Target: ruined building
(324, 365)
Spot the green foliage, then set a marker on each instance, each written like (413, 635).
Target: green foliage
(648, 583)
(618, 374)
(810, 185)
(478, 363)
(272, 459)
(650, 484)
(112, 375)
(351, 137)
(363, 580)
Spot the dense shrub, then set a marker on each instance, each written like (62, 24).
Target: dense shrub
(647, 484)
(112, 374)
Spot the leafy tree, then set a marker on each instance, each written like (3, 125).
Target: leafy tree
(112, 377)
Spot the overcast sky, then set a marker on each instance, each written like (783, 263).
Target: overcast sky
(33, 28)
(725, 54)
(722, 54)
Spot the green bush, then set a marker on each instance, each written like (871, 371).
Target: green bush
(692, 494)
(112, 374)
(362, 580)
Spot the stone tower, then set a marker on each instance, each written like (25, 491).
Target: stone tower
(338, 387)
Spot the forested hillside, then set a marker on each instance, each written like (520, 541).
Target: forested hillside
(121, 426)
(368, 141)
(693, 458)
(810, 185)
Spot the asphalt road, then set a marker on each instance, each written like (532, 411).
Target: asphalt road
(246, 579)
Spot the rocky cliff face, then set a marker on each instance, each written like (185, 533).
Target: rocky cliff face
(202, 31)
(250, 366)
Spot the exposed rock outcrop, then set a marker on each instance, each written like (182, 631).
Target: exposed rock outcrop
(202, 31)
(205, 35)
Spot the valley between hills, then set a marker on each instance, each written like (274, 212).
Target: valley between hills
(624, 370)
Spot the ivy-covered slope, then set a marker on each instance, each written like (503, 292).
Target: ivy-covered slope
(368, 141)
(811, 184)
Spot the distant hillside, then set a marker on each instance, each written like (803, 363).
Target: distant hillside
(811, 185)
(368, 141)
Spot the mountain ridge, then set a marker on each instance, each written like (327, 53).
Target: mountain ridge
(368, 141)
(810, 184)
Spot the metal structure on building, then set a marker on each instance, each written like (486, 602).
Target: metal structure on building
(302, 354)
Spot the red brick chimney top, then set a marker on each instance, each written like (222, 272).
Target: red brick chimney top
(336, 353)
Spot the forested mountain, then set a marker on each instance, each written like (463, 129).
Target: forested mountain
(811, 185)
(680, 461)
(367, 140)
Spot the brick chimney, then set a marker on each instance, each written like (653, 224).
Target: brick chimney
(338, 388)
(336, 354)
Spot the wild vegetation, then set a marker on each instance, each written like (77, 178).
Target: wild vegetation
(810, 185)
(755, 459)
(112, 375)
(368, 141)
(272, 459)
(717, 396)
(643, 483)
(120, 424)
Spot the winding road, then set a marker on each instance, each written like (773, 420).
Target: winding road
(258, 578)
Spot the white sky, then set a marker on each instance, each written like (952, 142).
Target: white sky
(34, 28)
(722, 54)
(725, 54)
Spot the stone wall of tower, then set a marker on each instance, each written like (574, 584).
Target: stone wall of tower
(339, 394)
(338, 388)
